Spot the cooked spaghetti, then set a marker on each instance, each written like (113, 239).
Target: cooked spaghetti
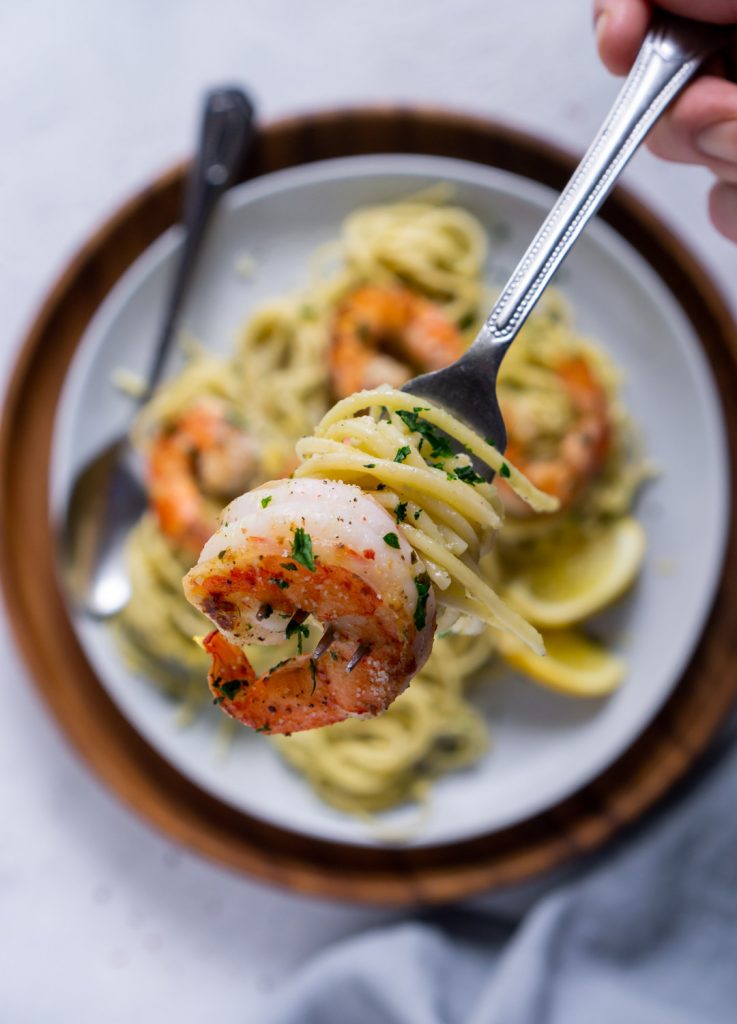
(277, 386)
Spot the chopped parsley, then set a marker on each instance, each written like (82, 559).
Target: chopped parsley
(264, 728)
(302, 549)
(505, 470)
(491, 441)
(418, 513)
(468, 475)
(300, 629)
(288, 565)
(400, 511)
(333, 655)
(278, 665)
(281, 584)
(392, 540)
(402, 453)
(223, 553)
(232, 687)
(466, 320)
(313, 673)
(236, 419)
(265, 501)
(370, 465)
(422, 583)
(440, 447)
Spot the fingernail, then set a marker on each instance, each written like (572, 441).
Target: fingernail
(719, 141)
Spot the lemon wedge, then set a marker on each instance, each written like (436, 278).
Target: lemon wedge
(573, 664)
(579, 579)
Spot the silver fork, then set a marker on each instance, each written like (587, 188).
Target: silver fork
(671, 53)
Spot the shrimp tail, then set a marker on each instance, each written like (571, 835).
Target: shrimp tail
(316, 689)
(229, 666)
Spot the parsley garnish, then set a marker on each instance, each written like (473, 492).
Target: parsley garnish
(402, 453)
(288, 565)
(302, 549)
(333, 655)
(301, 631)
(392, 540)
(466, 320)
(491, 441)
(264, 728)
(232, 687)
(468, 475)
(370, 465)
(400, 511)
(422, 583)
(278, 665)
(223, 553)
(505, 470)
(236, 419)
(281, 584)
(265, 501)
(440, 448)
(418, 513)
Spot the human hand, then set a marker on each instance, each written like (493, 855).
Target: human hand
(701, 126)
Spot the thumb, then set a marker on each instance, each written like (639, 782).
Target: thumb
(621, 24)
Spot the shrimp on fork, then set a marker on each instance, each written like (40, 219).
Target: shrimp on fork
(294, 551)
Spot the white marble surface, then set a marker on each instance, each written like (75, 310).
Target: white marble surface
(100, 918)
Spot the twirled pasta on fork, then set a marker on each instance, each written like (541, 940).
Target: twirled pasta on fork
(377, 540)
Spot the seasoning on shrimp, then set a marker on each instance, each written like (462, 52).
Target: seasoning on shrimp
(369, 595)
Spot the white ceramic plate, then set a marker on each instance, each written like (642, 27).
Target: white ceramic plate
(544, 746)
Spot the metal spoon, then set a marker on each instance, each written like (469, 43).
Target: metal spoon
(671, 53)
(108, 496)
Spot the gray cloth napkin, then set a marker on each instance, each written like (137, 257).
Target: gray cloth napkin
(645, 932)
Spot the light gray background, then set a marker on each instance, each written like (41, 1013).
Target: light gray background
(101, 919)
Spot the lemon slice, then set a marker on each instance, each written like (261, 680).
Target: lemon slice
(573, 664)
(579, 580)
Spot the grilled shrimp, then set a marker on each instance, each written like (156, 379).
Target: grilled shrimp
(386, 335)
(293, 552)
(199, 458)
(577, 457)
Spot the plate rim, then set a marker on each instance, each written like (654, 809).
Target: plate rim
(396, 877)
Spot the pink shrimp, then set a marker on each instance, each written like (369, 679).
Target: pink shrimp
(192, 462)
(384, 335)
(581, 452)
(295, 549)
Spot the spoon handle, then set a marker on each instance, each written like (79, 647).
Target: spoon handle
(671, 53)
(225, 135)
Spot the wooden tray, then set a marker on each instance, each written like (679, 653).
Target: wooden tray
(114, 749)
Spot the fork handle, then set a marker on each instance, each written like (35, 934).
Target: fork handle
(671, 53)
